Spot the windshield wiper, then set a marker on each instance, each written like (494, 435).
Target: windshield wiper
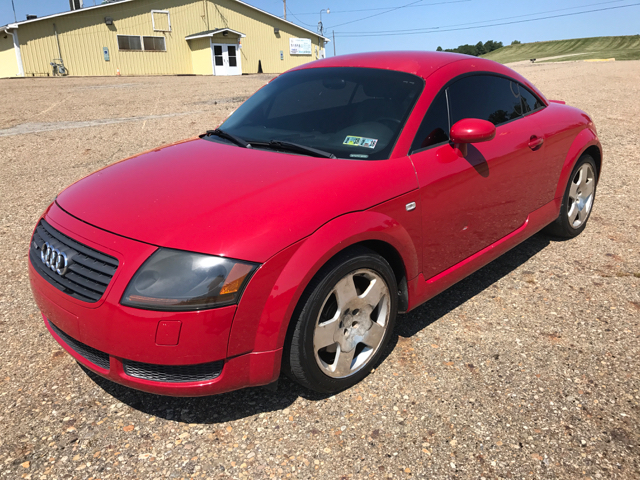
(294, 147)
(241, 142)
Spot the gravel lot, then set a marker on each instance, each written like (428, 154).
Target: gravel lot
(527, 369)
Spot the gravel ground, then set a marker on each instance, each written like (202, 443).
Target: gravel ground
(527, 369)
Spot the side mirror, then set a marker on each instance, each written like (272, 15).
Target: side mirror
(471, 130)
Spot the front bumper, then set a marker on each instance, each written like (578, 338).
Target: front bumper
(245, 370)
(128, 341)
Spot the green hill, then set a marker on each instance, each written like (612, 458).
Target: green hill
(620, 48)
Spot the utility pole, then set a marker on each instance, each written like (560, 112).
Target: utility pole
(285, 9)
(14, 12)
(334, 43)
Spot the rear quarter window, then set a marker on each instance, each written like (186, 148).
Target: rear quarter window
(530, 102)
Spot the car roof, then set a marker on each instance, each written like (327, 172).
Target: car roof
(416, 62)
(420, 63)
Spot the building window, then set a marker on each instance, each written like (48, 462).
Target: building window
(160, 20)
(129, 42)
(154, 44)
(139, 43)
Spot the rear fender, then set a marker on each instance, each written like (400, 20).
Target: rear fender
(585, 139)
(262, 320)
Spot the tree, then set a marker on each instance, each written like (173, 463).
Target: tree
(439, 49)
(475, 50)
(468, 50)
(490, 46)
(516, 42)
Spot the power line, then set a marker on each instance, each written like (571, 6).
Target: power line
(392, 10)
(377, 14)
(484, 21)
(437, 29)
(294, 16)
(386, 8)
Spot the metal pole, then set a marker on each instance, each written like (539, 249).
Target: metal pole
(285, 9)
(205, 13)
(58, 40)
(320, 26)
(14, 12)
(334, 43)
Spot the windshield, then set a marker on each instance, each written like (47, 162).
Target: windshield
(354, 113)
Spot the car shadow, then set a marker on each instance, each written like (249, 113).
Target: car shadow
(423, 316)
(225, 407)
(477, 160)
(248, 402)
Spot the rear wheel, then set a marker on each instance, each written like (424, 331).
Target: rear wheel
(346, 319)
(577, 201)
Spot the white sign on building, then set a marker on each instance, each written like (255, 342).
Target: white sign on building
(300, 46)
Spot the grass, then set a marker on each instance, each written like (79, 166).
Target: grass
(620, 48)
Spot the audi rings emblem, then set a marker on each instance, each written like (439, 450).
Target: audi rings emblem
(54, 259)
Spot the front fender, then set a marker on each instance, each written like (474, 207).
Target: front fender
(267, 305)
(585, 139)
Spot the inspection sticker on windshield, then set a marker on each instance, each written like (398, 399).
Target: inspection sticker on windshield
(360, 141)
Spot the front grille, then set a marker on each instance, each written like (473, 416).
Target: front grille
(173, 373)
(90, 354)
(89, 271)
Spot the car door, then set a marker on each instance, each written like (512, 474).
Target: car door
(470, 202)
(557, 135)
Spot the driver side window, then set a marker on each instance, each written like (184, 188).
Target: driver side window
(487, 97)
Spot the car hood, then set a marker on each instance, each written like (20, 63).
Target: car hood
(220, 199)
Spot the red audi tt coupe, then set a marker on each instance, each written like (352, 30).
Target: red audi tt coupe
(288, 239)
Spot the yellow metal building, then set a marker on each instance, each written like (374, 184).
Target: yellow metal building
(157, 37)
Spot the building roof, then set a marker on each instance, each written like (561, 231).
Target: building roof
(70, 12)
(211, 33)
(106, 5)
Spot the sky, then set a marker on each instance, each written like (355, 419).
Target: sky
(374, 25)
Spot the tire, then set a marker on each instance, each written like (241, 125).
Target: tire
(342, 323)
(577, 201)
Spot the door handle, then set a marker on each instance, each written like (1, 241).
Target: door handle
(535, 142)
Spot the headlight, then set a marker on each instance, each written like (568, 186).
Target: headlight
(180, 281)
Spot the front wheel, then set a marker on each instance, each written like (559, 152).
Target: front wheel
(345, 320)
(577, 201)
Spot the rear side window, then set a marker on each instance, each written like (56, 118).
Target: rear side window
(434, 129)
(530, 102)
(487, 97)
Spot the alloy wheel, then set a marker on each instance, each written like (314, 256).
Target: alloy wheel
(352, 323)
(581, 194)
